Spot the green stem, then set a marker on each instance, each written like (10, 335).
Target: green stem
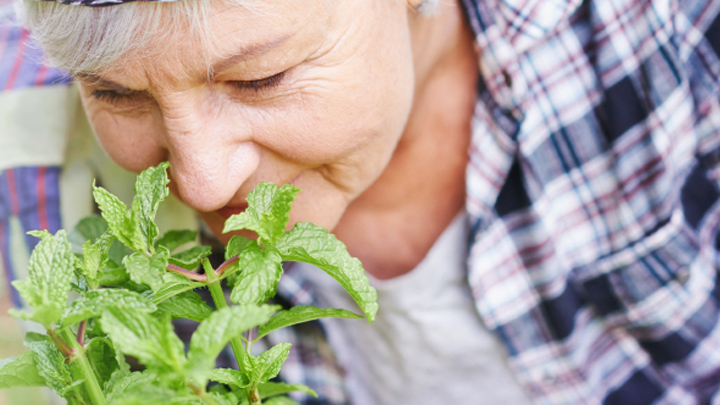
(91, 382)
(220, 303)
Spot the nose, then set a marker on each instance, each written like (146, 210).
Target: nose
(210, 156)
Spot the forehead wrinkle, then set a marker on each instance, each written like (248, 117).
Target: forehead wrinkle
(247, 53)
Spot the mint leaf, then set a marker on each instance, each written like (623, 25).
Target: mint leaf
(101, 354)
(51, 273)
(267, 213)
(95, 302)
(187, 305)
(87, 229)
(190, 259)
(129, 382)
(313, 244)
(228, 376)
(174, 284)
(147, 270)
(216, 331)
(113, 275)
(280, 401)
(95, 257)
(173, 239)
(236, 246)
(270, 389)
(145, 388)
(20, 371)
(124, 225)
(150, 190)
(267, 365)
(228, 398)
(260, 272)
(153, 342)
(50, 364)
(300, 314)
(41, 234)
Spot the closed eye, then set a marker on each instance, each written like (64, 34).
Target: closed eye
(260, 84)
(116, 97)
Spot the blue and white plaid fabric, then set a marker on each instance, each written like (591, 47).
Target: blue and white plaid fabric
(592, 190)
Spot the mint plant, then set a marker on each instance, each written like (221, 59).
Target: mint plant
(129, 284)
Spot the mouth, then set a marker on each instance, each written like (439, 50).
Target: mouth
(230, 210)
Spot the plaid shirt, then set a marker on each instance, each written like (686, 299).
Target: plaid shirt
(592, 190)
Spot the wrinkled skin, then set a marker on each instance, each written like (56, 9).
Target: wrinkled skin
(369, 117)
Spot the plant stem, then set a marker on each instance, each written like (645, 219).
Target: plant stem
(60, 344)
(91, 382)
(81, 333)
(220, 303)
(226, 265)
(186, 273)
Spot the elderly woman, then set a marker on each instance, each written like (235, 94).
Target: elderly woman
(531, 185)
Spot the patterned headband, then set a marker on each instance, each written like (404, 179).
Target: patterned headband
(102, 3)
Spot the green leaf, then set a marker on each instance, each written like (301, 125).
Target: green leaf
(20, 371)
(260, 272)
(95, 302)
(267, 365)
(300, 314)
(113, 275)
(147, 270)
(70, 391)
(227, 398)
(174, 284)
(280, 401)
(143, 388)
(216, 331)
(267, 213)
(41, 234)
(129, 382)
(124, 225)
(186, 305)
(79, 283)
(270, 389)
(51, 273)
(50, 365)
(228, 376)
(190, 259)
(95, 257)
(313, 244)
(101, 354)
(87, 229)
(153, 342)
(150, 190)
(173, 239)
(237, 245)
(122, 370)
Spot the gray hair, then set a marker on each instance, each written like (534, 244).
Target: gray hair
(82, 39)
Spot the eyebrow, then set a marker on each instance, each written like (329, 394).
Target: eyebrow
(243, 55)
(96, 80)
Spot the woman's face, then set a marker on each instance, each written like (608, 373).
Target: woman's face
(314, 93)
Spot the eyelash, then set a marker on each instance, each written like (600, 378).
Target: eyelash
(108, 96)
(114, 97)
(260, 84)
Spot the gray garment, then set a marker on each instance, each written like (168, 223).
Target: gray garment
(427, 345)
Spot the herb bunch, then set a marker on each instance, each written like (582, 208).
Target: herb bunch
(130, 284)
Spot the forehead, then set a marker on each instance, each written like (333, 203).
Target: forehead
(257, 32)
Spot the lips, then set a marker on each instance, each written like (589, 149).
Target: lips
(230, 210)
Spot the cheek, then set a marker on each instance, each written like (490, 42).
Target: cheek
(130, 141)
